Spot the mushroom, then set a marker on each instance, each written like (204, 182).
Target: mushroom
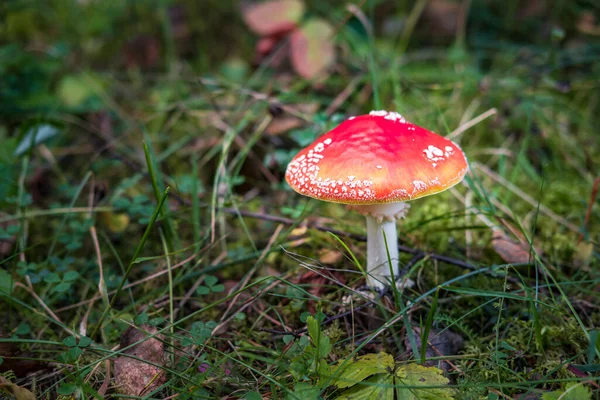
(375, 163)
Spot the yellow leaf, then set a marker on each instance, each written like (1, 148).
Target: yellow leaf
(15, 391)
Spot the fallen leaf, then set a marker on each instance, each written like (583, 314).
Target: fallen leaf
(16, 392)
(327, 256)
(587, 24)
(266, 44)
(312, 49)
(135, 376)
(298, 231)
(510, 250)
(273, 17)
(283, 124)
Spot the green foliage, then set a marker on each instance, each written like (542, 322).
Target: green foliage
(200, 333)
(84, 83)
(6, 282)
(572, 391)
(75, 233)
(377, 376)
(26, 81)
(75, 347)
(138, 208)
(211, 284)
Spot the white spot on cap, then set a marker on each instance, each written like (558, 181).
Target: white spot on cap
(389, 115)
(419, 186)
(327, 141)
(434, 154)
(380, 113)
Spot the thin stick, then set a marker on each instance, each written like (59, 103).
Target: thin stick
(471, 123)
(588, 213)
(31, 291)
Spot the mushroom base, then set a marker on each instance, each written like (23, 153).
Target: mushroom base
(381, 220)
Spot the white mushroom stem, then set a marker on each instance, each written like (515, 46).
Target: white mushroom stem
(381, 219)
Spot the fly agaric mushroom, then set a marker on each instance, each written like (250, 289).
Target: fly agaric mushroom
(375, 163)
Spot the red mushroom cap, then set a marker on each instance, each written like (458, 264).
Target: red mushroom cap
(376, 158)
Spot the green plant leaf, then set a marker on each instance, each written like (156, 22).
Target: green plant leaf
(202, 290)
(349, 373)
(52, 278)
(573, 391)
(6, 282)
(74, 352)
(218, 288)
(379, 386)
(70, 341)
(84, 341)
(253, 396)
(410, 376)
(62, 287)
(66, 389)
(313, 328)
(70, 276)
(304, 390)
(211, 280)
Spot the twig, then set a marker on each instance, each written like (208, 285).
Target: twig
(31, 291)
(588, 213)
(471, 123)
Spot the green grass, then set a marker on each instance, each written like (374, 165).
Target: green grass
(150, 192)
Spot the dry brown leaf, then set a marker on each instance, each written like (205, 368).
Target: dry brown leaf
(283, 124)
(510, 250)
(312, 49)
(299, 231)
(587, 24)
(328, 256)
(137, 376)
(273, 17)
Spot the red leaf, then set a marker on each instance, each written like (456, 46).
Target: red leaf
(273, 17)
(312, 50)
